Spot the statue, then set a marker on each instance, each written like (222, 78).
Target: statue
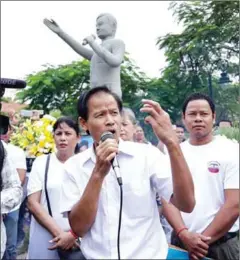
(105, 58)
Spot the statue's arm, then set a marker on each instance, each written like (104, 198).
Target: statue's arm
(114, 58)
(76, 46)
(53, 26)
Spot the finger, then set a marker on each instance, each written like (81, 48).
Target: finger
(199, 255)
(203, 245)
(54, 240)
(193, 256)
(53, 247)
(204, 238)
(202, 251)
(151, 111)
(152, 103)
(76, 244)
(110, 157)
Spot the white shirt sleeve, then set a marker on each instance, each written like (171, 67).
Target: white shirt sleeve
(72, 186)
(160, 174)
(20, 159)
(36, 178)
(231, 179)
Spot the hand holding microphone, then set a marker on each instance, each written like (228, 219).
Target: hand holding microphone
(89, 39)
(105, 137)
(105, 153)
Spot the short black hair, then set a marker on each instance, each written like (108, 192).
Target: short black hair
(82, 104)
(198, 96)
(67, 120)
(180, 126)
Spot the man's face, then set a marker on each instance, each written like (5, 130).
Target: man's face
(103, 115)
(139, 135)
(180, 134)
(127, 129)
(104, 27)
(199, 119)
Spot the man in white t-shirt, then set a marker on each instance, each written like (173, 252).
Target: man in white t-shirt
(212, 228)
(91, 193)
(18, 157)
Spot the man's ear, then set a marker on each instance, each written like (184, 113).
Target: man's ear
(83, 124)
(183, 119)
(214, 118)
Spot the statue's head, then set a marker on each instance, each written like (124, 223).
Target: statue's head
(106, 25)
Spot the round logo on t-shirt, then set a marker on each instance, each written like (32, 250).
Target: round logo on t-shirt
(213, 166)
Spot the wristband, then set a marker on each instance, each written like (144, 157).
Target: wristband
(179, 231)
(73, 234)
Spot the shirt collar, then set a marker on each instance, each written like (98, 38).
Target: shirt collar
(124, 148)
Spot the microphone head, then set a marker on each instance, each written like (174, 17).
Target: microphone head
(12, 83)
(106, 135)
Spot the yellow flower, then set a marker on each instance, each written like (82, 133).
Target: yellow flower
(35, 138)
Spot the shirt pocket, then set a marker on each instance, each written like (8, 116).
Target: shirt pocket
(138, 201)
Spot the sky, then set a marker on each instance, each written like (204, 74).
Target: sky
(27, 44)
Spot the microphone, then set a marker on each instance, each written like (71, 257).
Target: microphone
(12, 83)
(85, 42)
(114, 161)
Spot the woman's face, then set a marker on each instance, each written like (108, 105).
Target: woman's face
(65, 138)
(127, 129)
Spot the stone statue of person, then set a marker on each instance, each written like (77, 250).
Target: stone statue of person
(106, 58)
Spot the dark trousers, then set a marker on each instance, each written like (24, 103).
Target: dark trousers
(228, 250)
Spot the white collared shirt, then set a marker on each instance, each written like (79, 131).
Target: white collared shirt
(144, 171)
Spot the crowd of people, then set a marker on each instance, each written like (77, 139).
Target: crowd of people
(182, 192)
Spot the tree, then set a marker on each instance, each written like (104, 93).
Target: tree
(210, 35)
(59, 87)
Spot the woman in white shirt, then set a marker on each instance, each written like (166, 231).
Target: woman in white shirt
(45, 228)
(10, 187)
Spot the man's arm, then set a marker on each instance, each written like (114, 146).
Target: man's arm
(114, 58)
(183, 188)
(226, 216)
(22, 175)
(83, 214)
(196, 244)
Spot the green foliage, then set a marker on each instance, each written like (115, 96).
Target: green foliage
(56, 87)
(232, 133)
(59, 87)
(55, 113)
(6, 99)
(210, 35)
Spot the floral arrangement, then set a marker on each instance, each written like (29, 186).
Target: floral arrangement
(35, 137)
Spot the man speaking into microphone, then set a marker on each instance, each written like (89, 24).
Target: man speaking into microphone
(115, 210)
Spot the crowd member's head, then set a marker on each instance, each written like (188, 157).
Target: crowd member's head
(139, 135)
(198, 114)
(179, 129)
(66, 135)
(225, 123)
(6, 136)
(99, 111)
(128, 127)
